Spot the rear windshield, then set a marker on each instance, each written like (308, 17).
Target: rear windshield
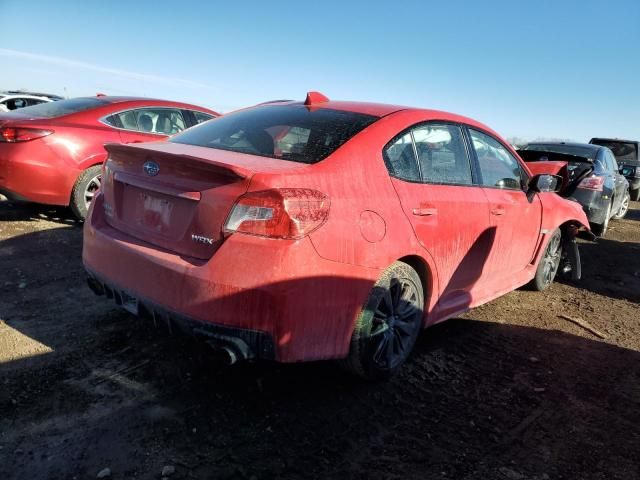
(291, 132)
(61, 107)
(623, 151)
(586, 152)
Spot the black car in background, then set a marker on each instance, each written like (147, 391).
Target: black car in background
(593, 179)
(626, 153)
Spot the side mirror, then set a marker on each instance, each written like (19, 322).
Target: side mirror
(545, 183)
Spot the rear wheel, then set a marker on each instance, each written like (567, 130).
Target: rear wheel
(624, 207)
(634, 195)
(549, 263)
(84, 190)
(388, 325)
(600, 229)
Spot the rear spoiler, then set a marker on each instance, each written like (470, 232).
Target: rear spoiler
(139, 150)
(540, 156)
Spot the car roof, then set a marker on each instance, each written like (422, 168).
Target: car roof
(4, 96)
(383, 109)
(114, 100)
(622, 140)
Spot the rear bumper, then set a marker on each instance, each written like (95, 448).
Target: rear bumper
(593, 204)
(246, 344)
(281, 288)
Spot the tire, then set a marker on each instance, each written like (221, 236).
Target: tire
(600, 229)
(548, 265)
(624, 207)
(85, 187)
(388, 325)
(634, 195)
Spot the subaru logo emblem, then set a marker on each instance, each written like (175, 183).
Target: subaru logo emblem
(151, 168)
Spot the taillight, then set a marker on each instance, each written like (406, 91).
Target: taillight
(592, 183)
(14, 135)
(288, 213)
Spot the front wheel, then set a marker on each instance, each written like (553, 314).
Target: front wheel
(388, 325)
(549, 263)
(84, 190)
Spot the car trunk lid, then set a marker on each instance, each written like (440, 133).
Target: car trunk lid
(177, 197)
(572, 168)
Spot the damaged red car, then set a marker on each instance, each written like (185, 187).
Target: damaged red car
(297, 231)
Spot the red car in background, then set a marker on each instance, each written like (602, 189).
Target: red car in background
(52, 153)
(298, 231)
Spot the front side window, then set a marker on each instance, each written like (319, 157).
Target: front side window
(442, 155)
(498, 168)
(291, 132)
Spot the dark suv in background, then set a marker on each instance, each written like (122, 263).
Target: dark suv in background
(626, 153)
(593, 179)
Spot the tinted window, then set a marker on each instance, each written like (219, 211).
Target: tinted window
(62, 107)
(441, 153)
(587, 152)
(498, 167)
(33, 101)
(202, 117)
(623, 151)
(400, 158)
(292, 132)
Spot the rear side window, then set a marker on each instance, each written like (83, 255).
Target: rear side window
(202, 117)
(291, 132)
(160, 121)
(62, 107)
(400, 159)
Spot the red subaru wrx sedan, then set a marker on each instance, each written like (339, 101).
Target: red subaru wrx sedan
(299, 231)
(52, 153)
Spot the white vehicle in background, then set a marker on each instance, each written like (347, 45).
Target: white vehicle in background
(15, 99)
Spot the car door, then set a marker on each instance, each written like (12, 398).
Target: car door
(515, 217)
(431, 172)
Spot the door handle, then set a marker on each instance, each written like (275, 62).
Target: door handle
(425, 212)
(498, 211)
(135, 141)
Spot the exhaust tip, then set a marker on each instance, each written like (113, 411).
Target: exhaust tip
(95, 286)
(229, 357)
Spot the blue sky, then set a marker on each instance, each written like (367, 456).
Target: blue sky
(563, 69)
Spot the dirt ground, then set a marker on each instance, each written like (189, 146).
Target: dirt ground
(510, 391)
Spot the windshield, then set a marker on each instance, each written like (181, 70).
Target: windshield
(587, 152)
(61, 107)
(623, 151)
(288, 132)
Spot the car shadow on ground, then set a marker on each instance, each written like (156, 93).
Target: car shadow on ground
(12, 212)
(476, 400)
(611, 268)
